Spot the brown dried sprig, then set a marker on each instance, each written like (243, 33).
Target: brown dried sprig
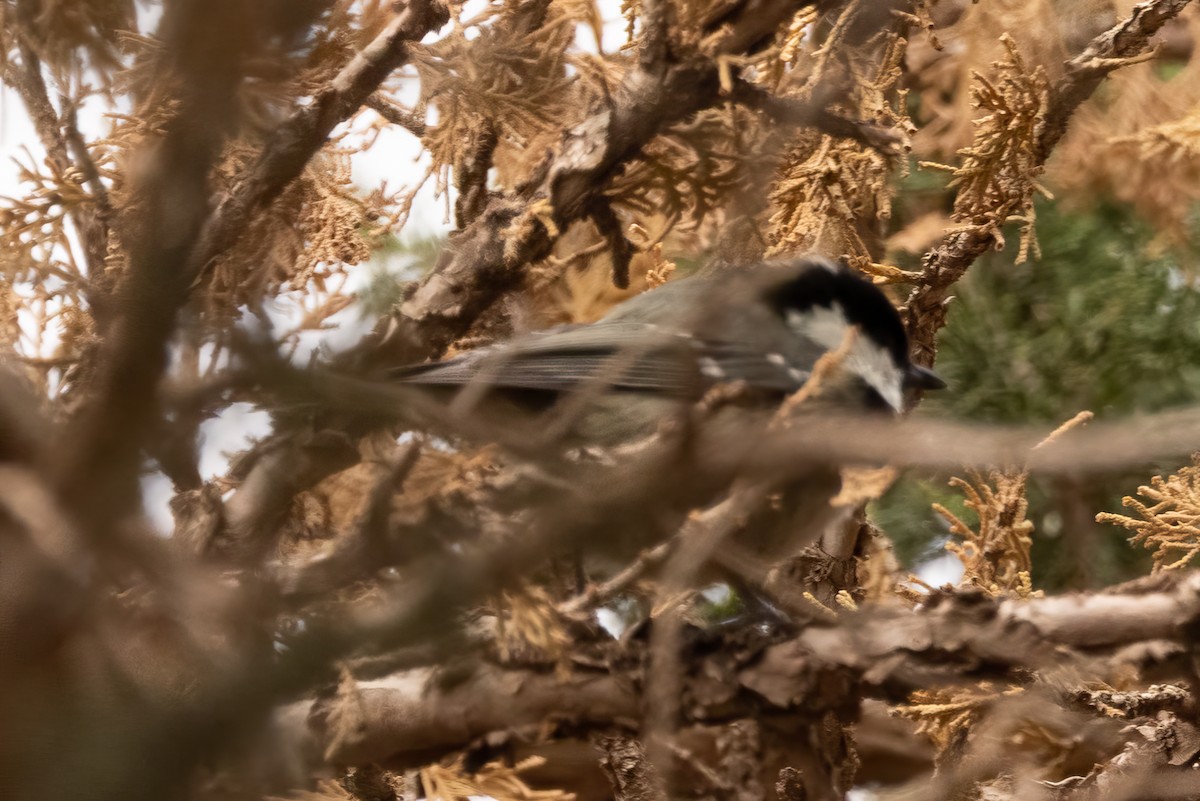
(824, 187)
(878, 569)
(947, 715)
(942, 77)
(1139, 142)
(1163, 162)
(510, 83)
(792, 47)
(33, 227)
(1174, 143)
(997, 178)
(996, 556)
(317, 227)
(58, 29)
(660, 269)
(833, 194)
(530, 628)
(496, 780)
(689, 171)
(822, 371)
(1170, 517)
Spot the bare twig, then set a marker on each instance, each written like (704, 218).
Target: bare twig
(597, 594)
(619, 246)
(396, 115)
(471, 178)
(815, 113)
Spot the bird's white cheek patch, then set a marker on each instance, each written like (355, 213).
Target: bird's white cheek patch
(873, 364)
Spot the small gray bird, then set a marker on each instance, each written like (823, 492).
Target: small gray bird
(762, 330)
(617, 379)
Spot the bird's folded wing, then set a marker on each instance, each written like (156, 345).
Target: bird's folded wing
(636, 358)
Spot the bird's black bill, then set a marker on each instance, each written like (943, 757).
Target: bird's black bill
(923, 378)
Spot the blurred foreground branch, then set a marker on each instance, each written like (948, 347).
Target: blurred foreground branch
(408, 718)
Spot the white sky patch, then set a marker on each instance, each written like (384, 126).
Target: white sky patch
(227, 433)
(157, 492)
(16, 134)
(943, 569)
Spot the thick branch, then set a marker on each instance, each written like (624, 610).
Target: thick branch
(885, 653)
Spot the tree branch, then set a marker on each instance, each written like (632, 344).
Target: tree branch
(883, 652)
(31, 86)
(298, 139)
(396, 115)
(487, 258)
(948, 261)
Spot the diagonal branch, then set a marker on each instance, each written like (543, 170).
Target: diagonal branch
(396, 115)
(515, 229)
(293, 144)
(949, 259)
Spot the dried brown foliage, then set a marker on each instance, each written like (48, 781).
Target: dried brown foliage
(1167, 517)
(1138, 143)
(997, 177)
(365, 607)
(834, 195)
(996, 555)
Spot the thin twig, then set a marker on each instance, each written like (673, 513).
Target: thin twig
(396, 115)
(597, 594)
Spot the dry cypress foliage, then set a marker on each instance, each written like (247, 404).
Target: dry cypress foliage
(1168, 512)
(364, 605)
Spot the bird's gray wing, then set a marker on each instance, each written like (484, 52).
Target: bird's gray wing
(622, 356)
(625, 356)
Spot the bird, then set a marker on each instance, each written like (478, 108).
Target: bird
(761, 331)
(761, 328)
